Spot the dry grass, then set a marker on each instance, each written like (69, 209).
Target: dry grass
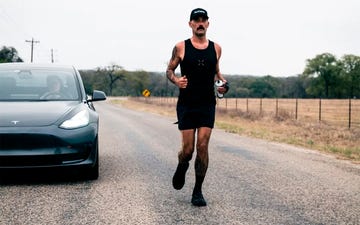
(341, 142)
(334, 111)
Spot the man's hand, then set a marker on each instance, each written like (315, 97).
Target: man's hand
(224, 88)
(182, 82)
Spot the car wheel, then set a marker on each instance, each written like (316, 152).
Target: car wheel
(92, 173)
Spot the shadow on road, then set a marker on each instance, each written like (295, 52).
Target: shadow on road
(39, 176)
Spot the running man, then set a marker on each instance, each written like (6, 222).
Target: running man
(198, 58)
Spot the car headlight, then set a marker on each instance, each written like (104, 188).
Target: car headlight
(81, 119)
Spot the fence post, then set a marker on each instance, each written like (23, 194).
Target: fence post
(277, 107)
(247, 105)
(236, 109)
(349, 113)
(320, 109)
(296, 109)
(260, 106)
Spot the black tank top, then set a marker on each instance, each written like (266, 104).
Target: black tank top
(199, 66)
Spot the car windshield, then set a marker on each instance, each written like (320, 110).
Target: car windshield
(38, 85)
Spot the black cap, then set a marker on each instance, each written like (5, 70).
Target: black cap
(198, 12)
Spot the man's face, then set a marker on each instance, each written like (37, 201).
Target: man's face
(199, 26)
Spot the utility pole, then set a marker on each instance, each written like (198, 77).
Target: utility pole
(52, 55)
(32, 46)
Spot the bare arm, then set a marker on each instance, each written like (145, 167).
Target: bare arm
(173, 64)
(218, 75)
(175, 60)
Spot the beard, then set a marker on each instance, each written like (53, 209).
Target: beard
(200, 35)
(200, 31)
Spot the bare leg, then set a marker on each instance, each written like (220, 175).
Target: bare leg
(185, 155)
(188, 142)
(201, 164)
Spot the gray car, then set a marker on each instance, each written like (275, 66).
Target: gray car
(47, 120)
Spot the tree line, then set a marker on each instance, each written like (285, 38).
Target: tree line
(9, 54)
(324, 76)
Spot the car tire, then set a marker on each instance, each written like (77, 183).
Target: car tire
(92, 173)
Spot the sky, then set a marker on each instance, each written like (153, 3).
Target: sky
(258, 37)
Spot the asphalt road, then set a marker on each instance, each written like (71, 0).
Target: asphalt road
(249, 181)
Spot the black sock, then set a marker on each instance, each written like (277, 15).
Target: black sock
(198, 183)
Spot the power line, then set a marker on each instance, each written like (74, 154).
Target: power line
(32, 46)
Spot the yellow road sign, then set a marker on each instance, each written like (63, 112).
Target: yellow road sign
(146, 93)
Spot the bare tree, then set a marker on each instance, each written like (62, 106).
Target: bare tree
(113, 73)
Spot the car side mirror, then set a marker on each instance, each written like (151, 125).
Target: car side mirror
(98, 96)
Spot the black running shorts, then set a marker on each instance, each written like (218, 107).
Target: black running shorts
(191, 117)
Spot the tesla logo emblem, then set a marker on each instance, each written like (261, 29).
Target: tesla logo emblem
(15, 122)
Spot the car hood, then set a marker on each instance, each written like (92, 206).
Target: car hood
(25, 114)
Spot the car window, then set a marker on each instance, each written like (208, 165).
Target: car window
(38, 85)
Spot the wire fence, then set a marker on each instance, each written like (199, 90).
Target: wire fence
(339, 112)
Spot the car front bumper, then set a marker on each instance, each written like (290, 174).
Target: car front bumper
(50, 146)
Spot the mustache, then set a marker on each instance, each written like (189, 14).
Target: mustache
(200, 28)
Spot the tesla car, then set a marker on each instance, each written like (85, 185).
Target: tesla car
(47, 120)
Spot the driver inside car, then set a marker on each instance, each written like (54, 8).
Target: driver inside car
(54, 85)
